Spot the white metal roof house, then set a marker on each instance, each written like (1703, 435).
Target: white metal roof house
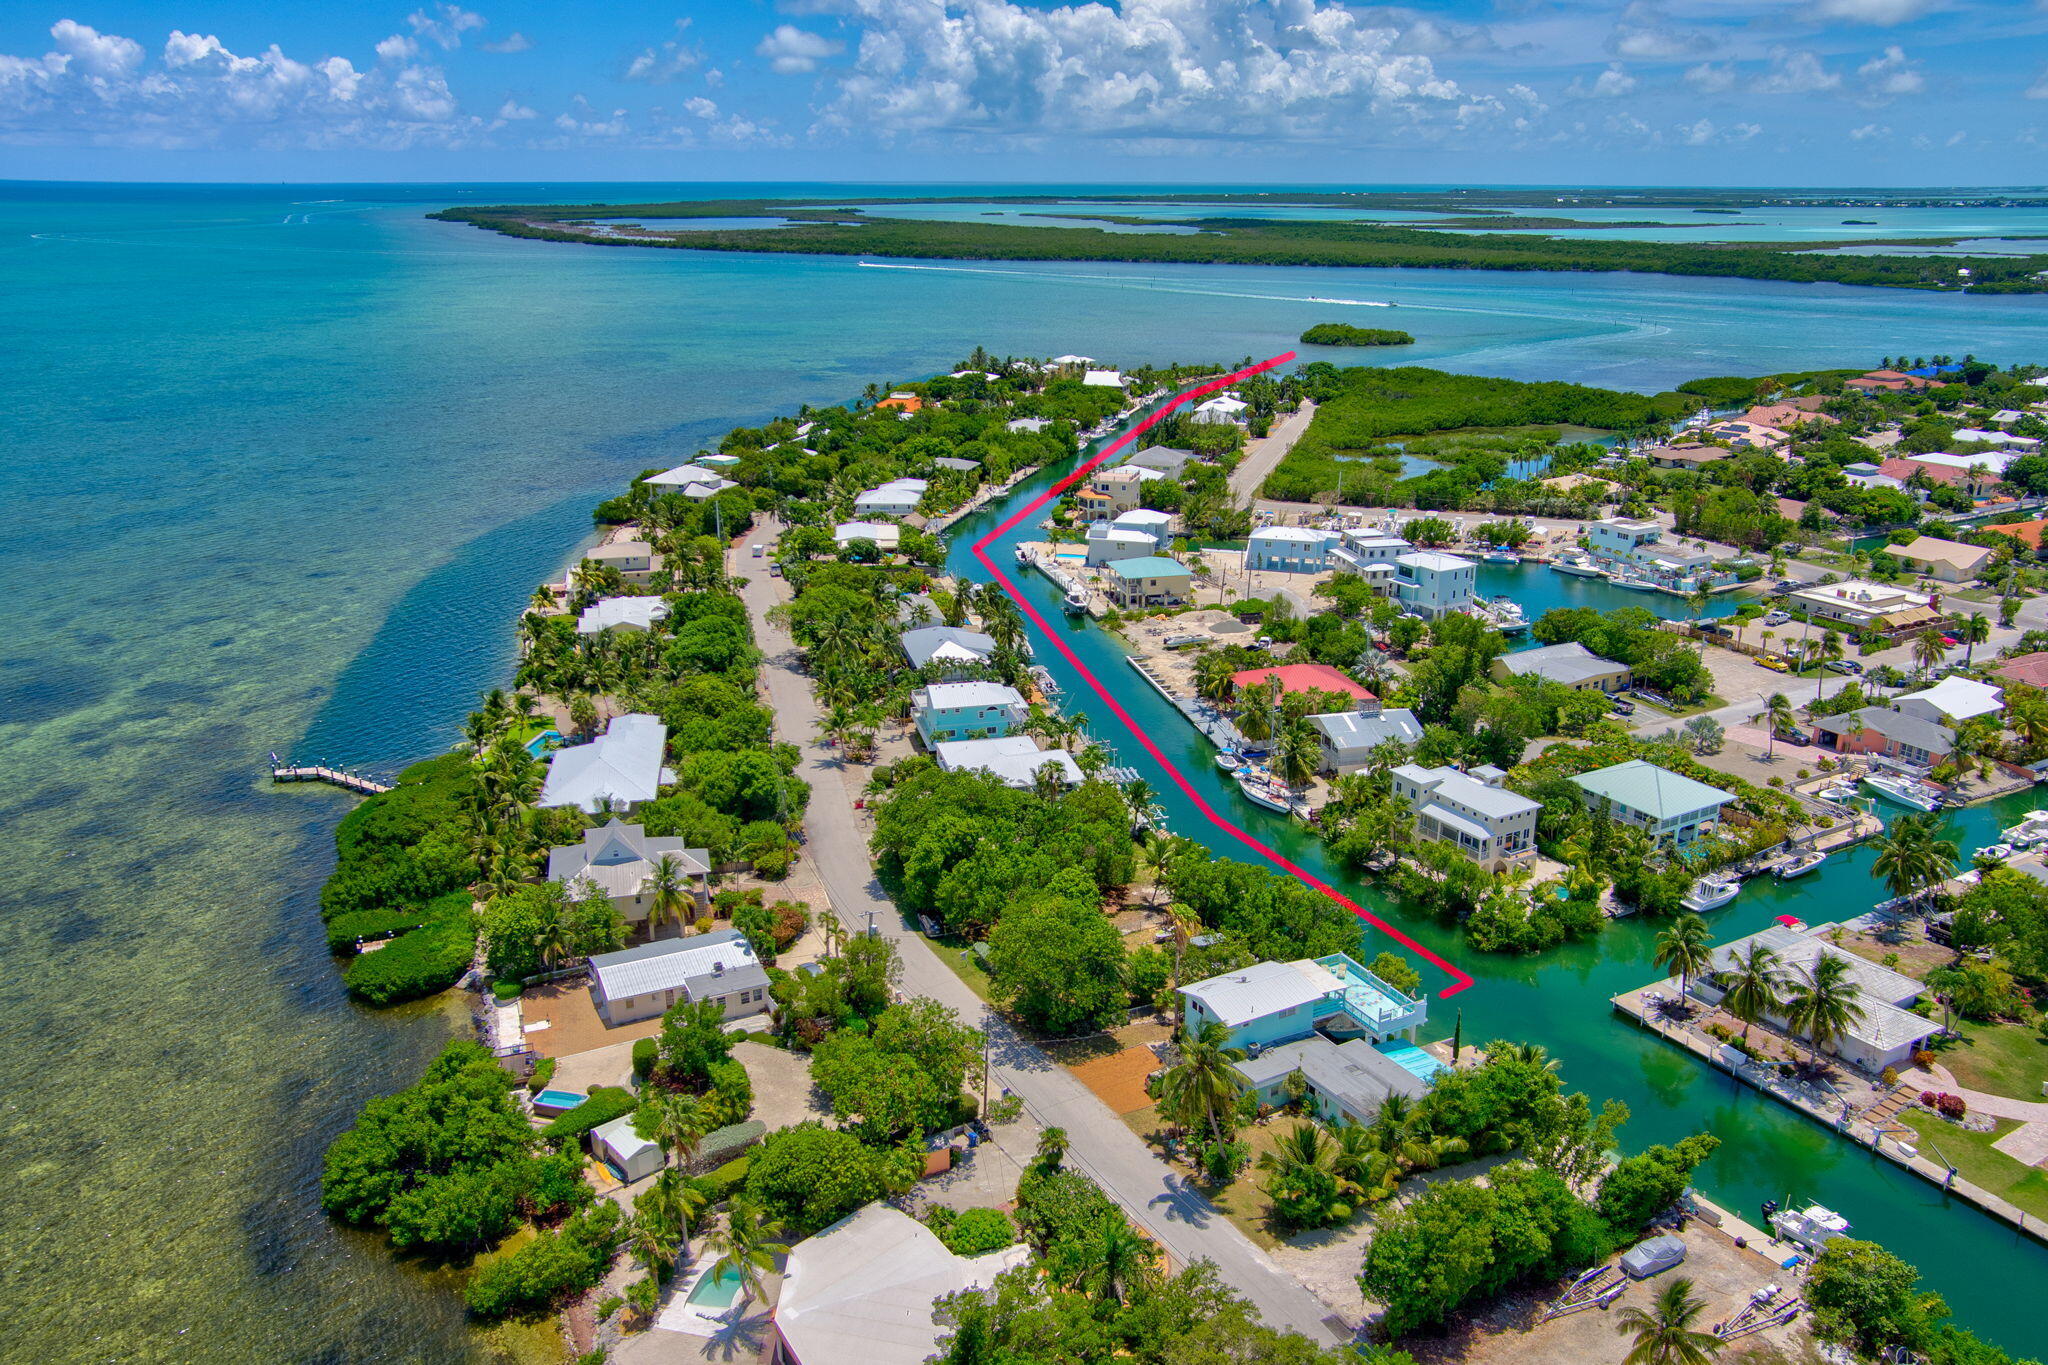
(1952, 699)
(645, 980)
(1889, 1031)
(1146, 521)
(621, 767)
(1224, 407)
(863, 1291)
(1347, 738)
(1014, 760)
(1166, 459)
(1570, 663)
(620, 613)
(691, 480)
(1484, 821)
(1432, 584)
(1347, 1081)
(1671, 807)
(1104, 379)
(1289, 549)
(952, 648)
(896, 498)
(1107, 543)
(886, 535)
(1277, 1002)
(620, 859)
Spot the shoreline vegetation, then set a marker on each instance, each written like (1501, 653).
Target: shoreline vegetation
(1344, 334)
(839, 228)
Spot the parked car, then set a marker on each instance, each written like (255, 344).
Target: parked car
(1711, 629)
(1622, 705)
(1950, 640)
(1849, 666)
(1777, 618)
(1793, 737)
(1775, 662)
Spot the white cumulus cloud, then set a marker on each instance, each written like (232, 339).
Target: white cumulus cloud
(444, 24)
(1612, 83)
(1890, 75)
(1882, 13)
(513, 42)
(1796, 73)
(662, 64)
(1710, 79)
(791, 50)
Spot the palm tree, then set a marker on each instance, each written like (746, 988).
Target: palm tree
(1048, 781)
(1204, 1084)
(1532, 1054)
(1212, 678)
(1778, 714)
(1666, 1334)
(1052, 1147)
(654, 1242)
(1912, 857)
(1755, 984)
(1823, 1002)
(1114, 1262)
(1828, 651)
(676, 1122)
(1138, 796)
(674, 1200)
(746, 1245)
(1186, 925)
(1304, 1147)
(1972, 630)
(1363, 1164)
(668, 892)
(1928, 650)
(1683, 949)
(1299, 753)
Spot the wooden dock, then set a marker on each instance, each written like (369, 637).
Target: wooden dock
(335, 777)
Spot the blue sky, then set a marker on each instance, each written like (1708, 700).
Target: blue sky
(1746, 92)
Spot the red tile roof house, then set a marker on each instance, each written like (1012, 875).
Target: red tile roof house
(2031, 669)
(1785, 416)
(2027, 533)
(1888, 381)
(1904, 468)
(1307, 678)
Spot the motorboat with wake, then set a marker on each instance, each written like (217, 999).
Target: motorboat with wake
(1907, 791)
(1711, 892)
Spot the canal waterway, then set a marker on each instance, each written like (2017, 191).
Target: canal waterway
(1989, 1273)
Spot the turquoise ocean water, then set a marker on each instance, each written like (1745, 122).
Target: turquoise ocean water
(283, 464)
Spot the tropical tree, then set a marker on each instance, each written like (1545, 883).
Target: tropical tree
(746, 1244)
(1113, 1262)
(1912, 857)
(1824, 1001)
(1755, 985)
(1302, 1176)
(1928, 650)
(1255, 717)
(1298, 753)
(1212, 678)
(1972, 630)
(1683, 949)
(668, 892)
(1827, 650)
(1777, 714)
(674, 1200)
(674, 1121)
(1186, 925)
(1052, 1147)
(1204, 1085)
(1667, 1333)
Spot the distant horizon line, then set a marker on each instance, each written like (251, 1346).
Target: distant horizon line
(1255, 187)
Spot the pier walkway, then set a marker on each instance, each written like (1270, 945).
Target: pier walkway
(336, 777)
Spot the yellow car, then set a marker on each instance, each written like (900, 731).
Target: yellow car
(1775, 662)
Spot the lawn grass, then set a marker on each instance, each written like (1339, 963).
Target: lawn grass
(952, 950)
(1242, 1201)
(2024, 1187)
(2000, 1059)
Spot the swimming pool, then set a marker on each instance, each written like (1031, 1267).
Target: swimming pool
(1413, 1060)
(557, 1101)
(716, 1288)
(542, 742)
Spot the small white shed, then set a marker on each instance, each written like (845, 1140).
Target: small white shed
(625, 1151)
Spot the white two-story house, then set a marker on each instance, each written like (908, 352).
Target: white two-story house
(1472, 812)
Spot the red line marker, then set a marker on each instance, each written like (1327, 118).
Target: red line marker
(1460, 978)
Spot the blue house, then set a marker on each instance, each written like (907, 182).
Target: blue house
(966, 710)
(1289, 549)
(1327, 1019)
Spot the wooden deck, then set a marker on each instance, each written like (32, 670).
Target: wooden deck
(337, 777)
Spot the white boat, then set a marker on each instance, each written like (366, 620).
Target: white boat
(2031, 830)
(1229, 761)
(1840, 791)
(1907, 791)
(1076, 602)
(1501, 556)
(1711, 892)
(1998, 851)
(1578, 566)
(1632, 583)
(1023, 555)
(1261, 789)
(1800, 865)
(1812, 1227)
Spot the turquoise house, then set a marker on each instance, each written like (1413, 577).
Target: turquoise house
(1269, 1003)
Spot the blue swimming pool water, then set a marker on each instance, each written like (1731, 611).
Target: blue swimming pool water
(717, 1289)
(558, 1099)
(543, 741)
(1413, 1059)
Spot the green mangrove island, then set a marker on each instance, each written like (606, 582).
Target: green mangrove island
(1344, 334)
(841, 229)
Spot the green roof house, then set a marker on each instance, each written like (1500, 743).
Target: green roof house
(1670, 807)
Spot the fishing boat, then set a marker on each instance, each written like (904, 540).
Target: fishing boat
(1076, 602)
(1839, 791)
(1907, 791)
(1632, 583)
(1500, 555)
(1812, 1227)
(1023, 555)
(1800, 864)
(1711, 892)
(1578, 566)
(1230, 761)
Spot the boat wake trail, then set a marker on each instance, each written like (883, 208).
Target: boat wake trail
(1460, 979)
